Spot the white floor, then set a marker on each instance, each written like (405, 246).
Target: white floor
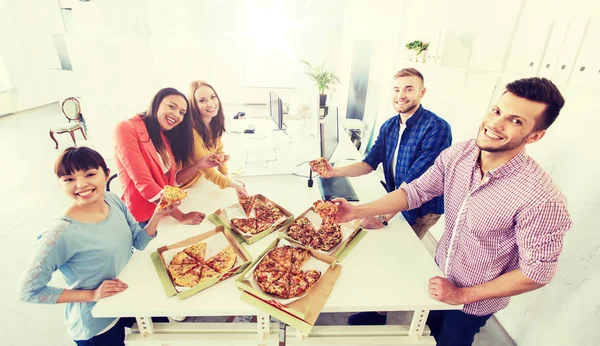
(30, 199)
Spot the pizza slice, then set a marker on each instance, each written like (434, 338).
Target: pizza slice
(207, 273)
(245, 225)
(247, 203)
(183, 258)
(298, 284)
(312, 276)
(267, 264)
(283, 256)
(262, 225)
(299, 257)
(197, 251)
(223, 261)
(171, 194)
(266, 279)
(330, 234)
(176, 270)
(319, 165)
(281, 286)
(325, 209)
(189, 279)
(221, 159)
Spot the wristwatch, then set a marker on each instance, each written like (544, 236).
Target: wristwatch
(382, 219)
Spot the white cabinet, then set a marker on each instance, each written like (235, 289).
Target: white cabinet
(586, 70)
(568, 51)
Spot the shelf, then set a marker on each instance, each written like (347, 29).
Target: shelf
(426, 66)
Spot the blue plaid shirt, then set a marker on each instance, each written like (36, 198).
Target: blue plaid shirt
(426, 135)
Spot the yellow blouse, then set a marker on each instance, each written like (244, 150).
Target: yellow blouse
(216, 175)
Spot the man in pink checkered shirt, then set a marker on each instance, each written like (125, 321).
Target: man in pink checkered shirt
(505, 218)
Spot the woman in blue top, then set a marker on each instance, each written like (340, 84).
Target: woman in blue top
(89, 245)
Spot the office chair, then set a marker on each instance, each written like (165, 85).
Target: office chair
(109, 181)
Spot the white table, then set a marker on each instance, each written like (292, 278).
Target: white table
(387, 271)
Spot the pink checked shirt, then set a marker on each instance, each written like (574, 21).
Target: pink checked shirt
(511, 218)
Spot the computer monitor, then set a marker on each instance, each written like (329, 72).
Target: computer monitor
(330, 134)
(276, 109)
(330, 137)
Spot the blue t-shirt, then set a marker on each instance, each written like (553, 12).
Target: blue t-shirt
(86, 255)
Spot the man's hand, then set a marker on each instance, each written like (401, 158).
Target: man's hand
(108, 288)
(329, 170)
(371, 223)
(192, 218)
(441, 289)
(346, 211)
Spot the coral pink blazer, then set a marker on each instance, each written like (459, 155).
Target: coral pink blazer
(139, 168)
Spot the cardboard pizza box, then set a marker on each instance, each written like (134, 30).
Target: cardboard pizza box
(302, 313)
(220, 239)
(352, 235)
(223, 217)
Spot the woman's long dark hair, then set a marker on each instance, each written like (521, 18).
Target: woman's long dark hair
(217, 123)
(180, 137)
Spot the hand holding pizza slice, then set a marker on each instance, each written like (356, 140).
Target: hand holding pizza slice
(322, 167)
(171, 195)
(220, 159)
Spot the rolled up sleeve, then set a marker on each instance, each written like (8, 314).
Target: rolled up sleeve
(540, 234)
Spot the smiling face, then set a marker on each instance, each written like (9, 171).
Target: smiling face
(407, 94)
(510, 125)
(85, 187)
(171, 111)
(207, 101)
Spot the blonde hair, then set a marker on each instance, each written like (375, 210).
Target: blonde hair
(410, 72)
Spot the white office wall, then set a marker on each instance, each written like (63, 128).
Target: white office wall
(28, 52)
(122, 53)
(564, 312)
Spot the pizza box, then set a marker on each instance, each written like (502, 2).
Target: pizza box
(215, 240)
(224, 215)
(303, 312)
(352, 233)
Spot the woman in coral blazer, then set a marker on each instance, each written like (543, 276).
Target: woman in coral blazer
(208, 121)
(150, 147)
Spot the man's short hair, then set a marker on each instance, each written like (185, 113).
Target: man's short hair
(409, 72)
(539, 90)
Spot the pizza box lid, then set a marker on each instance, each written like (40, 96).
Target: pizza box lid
(302, 313)
(353, 233)
(244, 259)
(221, 215)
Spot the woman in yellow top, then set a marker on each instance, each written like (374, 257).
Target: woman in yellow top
(209, 124)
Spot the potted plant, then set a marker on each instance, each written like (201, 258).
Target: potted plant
(415, 48)
(323, 79)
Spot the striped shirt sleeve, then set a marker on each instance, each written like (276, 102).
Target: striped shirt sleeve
(539, 236)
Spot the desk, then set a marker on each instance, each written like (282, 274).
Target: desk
(387, 271)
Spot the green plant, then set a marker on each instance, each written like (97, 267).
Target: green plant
(323, 79)
(418, 45)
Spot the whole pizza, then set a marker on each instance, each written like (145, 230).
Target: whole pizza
(188, 267)
(280, 272)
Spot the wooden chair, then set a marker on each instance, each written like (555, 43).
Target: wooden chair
(72, 111)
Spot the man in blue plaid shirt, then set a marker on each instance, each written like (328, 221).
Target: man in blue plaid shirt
(407, 146)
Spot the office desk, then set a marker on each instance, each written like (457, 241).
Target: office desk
(387, 271)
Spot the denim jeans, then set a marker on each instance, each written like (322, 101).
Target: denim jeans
(115, 336)
(454, 327)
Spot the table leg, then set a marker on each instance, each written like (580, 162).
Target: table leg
(418, 323)
(263, 325)
(145, 325)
